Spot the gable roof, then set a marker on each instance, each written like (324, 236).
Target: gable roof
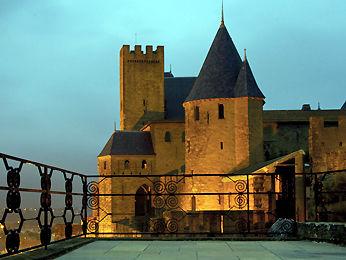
(246, 85)
(220, 69)
(129, 143)
(176, 91)
(256, 168)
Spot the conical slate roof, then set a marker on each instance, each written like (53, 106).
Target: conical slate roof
(219, 74)
(246, 85)
(343, 106)
(219, 71)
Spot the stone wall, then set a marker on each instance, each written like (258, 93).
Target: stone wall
(327, 144)
(169, 146)
(121, 208)
(215, 145)
(104, 204)
(281, 138)
(322, 231)
(286, 131)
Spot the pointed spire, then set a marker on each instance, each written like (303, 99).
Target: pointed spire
(220, 69)
(343, 106)
(222, 17)
(170, 68)
(115, 126)
(246, 85)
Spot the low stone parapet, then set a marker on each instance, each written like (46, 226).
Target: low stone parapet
(322, 231)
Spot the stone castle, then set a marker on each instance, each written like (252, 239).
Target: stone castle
(210, 124)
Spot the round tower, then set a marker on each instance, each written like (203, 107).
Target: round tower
(223, 119)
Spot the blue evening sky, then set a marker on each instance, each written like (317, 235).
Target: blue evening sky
(59, 73)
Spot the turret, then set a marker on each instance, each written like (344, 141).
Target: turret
(223, 112)
(223, 122)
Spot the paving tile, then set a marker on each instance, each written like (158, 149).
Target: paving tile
(191, 250)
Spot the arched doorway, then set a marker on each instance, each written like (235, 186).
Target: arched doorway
(142, 201)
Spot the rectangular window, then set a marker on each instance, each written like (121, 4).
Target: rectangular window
(196, 113)
(331, 124)
(221, 111)
(221, 145)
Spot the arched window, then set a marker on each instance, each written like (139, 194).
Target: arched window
(167, 136)
(221, 111)
(142, 201)
(183, 137)
(196, 113)
(127, 164)
(144, 164)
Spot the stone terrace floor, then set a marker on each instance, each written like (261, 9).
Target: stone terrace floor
(166, 250)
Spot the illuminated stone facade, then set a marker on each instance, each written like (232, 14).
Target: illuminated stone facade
(212, 124)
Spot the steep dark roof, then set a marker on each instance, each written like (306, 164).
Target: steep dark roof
(129, 143)
(246, 85)
(220, 69)
(343, 106)
(176, 91)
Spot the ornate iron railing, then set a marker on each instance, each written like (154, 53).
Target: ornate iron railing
(191, 204)
(29, 226)
(43, 204)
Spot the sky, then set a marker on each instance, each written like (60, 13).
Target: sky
(59, 62)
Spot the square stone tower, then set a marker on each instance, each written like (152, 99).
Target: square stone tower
(141, 86)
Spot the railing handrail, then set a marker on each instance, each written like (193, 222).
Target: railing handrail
(25, 161)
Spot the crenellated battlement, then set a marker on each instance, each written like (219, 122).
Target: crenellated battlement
(137, 55)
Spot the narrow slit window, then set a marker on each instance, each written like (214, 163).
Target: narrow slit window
(208, 118)
(221, 111)
(105, 165)
(221, 145)
(145, 104)
(196, 113)
(193, 203)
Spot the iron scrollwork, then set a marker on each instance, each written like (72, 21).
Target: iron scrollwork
(93, 199)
